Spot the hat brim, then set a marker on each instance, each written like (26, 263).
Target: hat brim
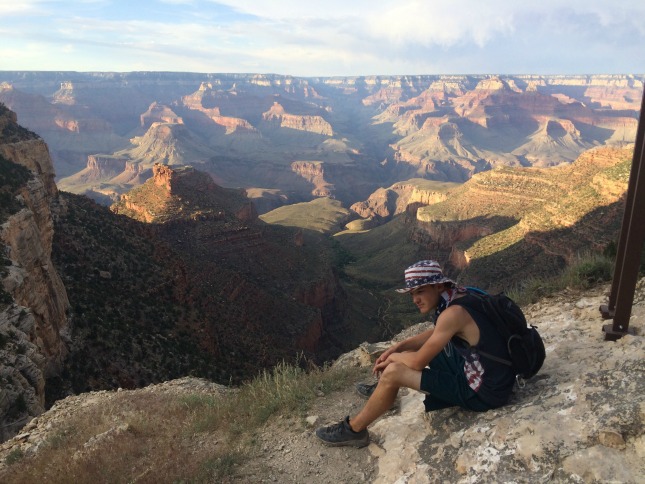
(405, 290)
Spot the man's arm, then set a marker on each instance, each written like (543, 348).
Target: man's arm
(451, 321)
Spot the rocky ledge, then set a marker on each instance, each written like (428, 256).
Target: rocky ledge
(581, 419)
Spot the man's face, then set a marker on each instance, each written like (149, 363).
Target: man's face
(427, 297)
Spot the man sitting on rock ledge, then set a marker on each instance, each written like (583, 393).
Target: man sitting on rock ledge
(438, 362)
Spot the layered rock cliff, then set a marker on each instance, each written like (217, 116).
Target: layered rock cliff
(34, 324)
(277, 116)
(507, 219)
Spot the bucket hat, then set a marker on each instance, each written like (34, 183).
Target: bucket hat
(423, 273)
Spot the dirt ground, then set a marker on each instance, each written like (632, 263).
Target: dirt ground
(289, 451)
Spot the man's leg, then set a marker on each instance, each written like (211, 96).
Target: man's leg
(395, 376)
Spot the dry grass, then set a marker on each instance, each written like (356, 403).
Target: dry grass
(587, 271)
(150, 436)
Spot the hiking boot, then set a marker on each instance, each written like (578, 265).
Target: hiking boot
(342, 434)
(366, 389)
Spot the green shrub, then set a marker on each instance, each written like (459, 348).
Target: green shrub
(216, 469)
(14, 456)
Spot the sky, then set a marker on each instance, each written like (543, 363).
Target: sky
(325, 38)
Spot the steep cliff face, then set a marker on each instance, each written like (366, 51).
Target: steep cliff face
(36, 323)
(33, 280)
(22, 370)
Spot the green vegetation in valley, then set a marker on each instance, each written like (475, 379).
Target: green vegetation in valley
(380, 253)
(323, 215)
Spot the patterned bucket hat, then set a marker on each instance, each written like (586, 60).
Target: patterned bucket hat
(423, 273)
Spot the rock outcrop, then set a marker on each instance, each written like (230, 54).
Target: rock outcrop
(276, 116)
(34, 327)
(158, 113)
(581, 419)
(201, 102)
(403, 196)
(314, 173)
(22, 371)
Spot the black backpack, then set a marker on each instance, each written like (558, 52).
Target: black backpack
(525, 346)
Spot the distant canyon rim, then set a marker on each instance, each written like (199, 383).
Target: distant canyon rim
(289, 139)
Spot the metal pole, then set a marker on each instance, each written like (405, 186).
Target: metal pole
(608, 310)
(630, 244)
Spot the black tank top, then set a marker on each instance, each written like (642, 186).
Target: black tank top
(495, 382)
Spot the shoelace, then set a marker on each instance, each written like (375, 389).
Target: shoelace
(336, 429)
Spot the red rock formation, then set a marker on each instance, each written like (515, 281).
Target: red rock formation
(195, 102)
(312, 124)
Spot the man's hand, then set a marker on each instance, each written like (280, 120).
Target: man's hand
(381, 362)
(380, 365)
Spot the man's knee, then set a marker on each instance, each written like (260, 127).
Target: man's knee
(393, 372)
(398, 375)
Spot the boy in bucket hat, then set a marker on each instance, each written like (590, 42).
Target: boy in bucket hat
(438, 362)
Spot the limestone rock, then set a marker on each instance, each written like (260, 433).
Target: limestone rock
(581, 419)
(22, 370)
(34, 330)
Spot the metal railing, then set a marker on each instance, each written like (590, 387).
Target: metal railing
(630, 244)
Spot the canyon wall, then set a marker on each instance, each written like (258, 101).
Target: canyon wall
(247, 130)
(34, 326)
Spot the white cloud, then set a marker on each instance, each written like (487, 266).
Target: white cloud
(9, 7)
(333, 37)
